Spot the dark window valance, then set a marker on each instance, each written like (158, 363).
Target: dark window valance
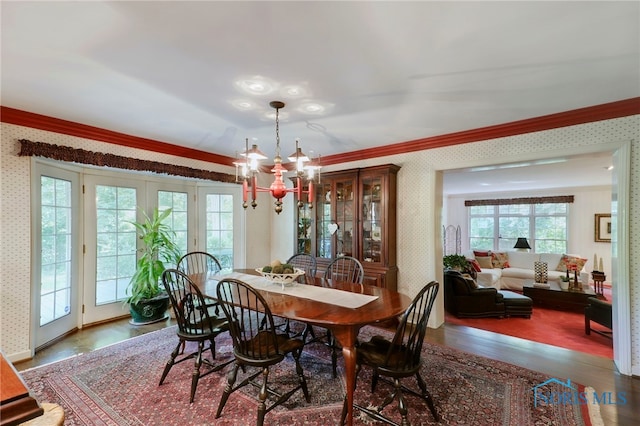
(523, 200)
(81, 156)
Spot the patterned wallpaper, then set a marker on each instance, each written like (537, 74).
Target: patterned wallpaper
(418, 208)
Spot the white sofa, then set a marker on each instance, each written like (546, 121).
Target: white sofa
(521, 269)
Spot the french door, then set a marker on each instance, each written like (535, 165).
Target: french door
(221, 230)
(57, 252)
(87, 246)
(111, 204)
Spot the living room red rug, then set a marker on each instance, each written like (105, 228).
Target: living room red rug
(118, 385)
(553, 327)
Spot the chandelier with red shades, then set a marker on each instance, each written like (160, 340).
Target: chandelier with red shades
(247, 170)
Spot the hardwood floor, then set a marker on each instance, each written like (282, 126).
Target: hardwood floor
(589, 370)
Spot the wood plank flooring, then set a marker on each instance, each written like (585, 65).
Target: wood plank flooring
(597, 372)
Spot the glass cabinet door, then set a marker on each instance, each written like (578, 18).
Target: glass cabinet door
(372, 218)
(344, 217)
(335, 221)
(323, 220)
(303, 231)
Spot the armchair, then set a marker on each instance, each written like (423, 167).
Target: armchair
(463, 297)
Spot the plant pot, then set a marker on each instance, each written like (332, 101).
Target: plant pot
(149, 311)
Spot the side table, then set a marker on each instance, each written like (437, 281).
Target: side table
(598, 282)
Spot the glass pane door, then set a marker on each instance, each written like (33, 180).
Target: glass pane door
(56, 240)
(221, 232)
(111, 204)
(178, 220)
(116, 245)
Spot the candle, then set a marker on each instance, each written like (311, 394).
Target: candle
(600, 268)
(595, 262)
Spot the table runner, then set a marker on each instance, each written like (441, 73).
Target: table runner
(331, 296)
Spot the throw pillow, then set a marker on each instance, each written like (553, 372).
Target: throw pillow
(570, 263)
(482, 253)
(500, 260)
(475, 264)
(484, 262)
(470, 280)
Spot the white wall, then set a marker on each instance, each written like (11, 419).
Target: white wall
(419, 210)
(587, 202)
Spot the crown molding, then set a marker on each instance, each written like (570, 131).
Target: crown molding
(607, 111)
(56, 125)
(601, 112)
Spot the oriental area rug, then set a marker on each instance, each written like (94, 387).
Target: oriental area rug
(118, 385)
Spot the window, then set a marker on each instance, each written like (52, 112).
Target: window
(497, 227)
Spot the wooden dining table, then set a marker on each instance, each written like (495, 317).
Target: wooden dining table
(345, 323)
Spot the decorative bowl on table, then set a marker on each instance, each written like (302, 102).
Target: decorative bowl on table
(282, 279)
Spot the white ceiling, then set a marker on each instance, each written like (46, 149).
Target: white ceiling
(384, 72)
(561, 172)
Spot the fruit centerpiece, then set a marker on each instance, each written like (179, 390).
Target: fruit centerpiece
(280, 273)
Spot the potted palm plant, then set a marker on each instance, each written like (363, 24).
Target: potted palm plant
(147, 300)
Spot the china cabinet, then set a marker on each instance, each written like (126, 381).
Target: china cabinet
(354, 214)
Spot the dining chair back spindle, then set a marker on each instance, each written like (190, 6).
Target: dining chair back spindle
(400, 357)
(256, 343)
(345, 268)
(199, 262)
(307, 263)
(195, 324)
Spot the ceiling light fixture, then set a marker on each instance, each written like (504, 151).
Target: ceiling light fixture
(247, 171)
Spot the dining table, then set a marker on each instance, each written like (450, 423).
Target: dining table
(341, 307)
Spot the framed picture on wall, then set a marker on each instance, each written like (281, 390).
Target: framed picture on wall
(603, 228)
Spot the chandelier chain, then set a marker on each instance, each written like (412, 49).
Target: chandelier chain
(277, 132)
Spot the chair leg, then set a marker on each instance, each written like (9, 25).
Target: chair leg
(426, 395)
(374, 380)
(171, 361)
(308, 330)
(334, 357)
(402, 406)
(212, 347)
(195, 376)
(389, 399)
(231, 379)
(262, 397)
(301, 378)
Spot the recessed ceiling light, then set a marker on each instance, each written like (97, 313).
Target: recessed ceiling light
(311, 108)
(293, 91)
(255, 85)
(243, 104)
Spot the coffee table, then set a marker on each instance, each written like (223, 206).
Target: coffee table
(555, 297)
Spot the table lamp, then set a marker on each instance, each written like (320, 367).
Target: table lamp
(522, 244)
